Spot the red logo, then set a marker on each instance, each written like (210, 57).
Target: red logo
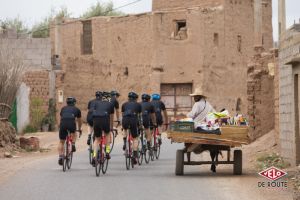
(273, 173)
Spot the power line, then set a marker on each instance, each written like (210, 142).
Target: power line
(104, 14)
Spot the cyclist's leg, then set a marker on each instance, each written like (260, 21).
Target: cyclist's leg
(62, 137)
(71, 127)
(97, 134)
(125, 126)
(146, 124)
(106, 129)
(134, 133)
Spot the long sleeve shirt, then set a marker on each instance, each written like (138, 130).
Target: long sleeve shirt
(199, 111)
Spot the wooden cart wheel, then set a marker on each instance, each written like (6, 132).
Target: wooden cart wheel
(179, 163)
(238, 162)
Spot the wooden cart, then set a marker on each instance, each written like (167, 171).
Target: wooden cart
(231, 136)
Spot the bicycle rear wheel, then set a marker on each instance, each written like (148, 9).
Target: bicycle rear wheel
(140, 156)
(98, 164)
(104, 164)
(157, 152)
(147, 155)
(128, 155)
(91, 152)
(64, 166)
(70, 159)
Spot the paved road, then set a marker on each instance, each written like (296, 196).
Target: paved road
(44, 180)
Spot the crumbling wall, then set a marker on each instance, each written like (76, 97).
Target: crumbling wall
(38, 82)
(261, 94)
(158, 5)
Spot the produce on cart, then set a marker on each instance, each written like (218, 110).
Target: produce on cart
(218, 132)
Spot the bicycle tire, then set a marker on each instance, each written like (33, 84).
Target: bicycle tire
(147, 155)
(69, 160)
(157, 153)
(98, 165)
(140, 157)
(90, 150)
(104, 165)
(64, 166)
(127, 155)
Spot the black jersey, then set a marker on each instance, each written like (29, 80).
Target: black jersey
(159, 106)
(147, 108)
(131, 109)
(102, 109)
(70, 113)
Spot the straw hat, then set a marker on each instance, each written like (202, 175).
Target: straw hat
(198, 92)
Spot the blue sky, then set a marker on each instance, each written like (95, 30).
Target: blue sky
(32, 11)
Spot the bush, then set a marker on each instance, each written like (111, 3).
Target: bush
(30, 129)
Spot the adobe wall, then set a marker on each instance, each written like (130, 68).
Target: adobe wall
(158, 5)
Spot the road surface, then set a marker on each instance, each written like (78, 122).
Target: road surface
(44, 180)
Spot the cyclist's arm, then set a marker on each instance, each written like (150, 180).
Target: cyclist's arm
(118, 114)
(79, 123)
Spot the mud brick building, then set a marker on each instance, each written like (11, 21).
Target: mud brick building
(177, 47)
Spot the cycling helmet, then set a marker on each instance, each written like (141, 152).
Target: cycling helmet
(98, 94)
(133, 95)
(156, 96)
(115, 93)
(71, 101)
(146, 97)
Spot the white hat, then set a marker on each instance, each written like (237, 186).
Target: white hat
(198, 92)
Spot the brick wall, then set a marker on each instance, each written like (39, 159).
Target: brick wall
(171, 4)
(38, 82)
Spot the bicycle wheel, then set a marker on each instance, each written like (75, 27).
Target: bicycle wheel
(90, 153)
(140, 156)
(70, 159)
(112, 139)
(98, 164)
(147, 155)
(104, 165)
(64, 166)
(128, 155)
(157, 152)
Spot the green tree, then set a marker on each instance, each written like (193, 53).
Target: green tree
(41, 29)
(15, 23)
(104, 9)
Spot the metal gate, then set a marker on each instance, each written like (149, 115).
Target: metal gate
(176, 98)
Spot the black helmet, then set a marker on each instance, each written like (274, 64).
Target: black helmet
(98, 94)
(146, 97)
(115, 93)
(71, 101)
(133, 95)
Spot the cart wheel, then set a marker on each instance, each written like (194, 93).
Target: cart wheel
(238, 162)
(179, 163)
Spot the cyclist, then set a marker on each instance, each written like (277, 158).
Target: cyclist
(89, 117)
(131, 112)
(103, 115)
(160, 107)
(69, 114)
(148, 114)
(114, 100)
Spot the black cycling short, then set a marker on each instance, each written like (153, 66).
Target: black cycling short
(101, 124)
(131, 122)
(65, 126)
(146, 121)
(89, 119)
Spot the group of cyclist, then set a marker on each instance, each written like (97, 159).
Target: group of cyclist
(100, 117)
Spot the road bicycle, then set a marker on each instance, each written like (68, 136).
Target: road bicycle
(129, 157)
(144, 152)
(68, 153)
(156, 144)
(101, 160)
